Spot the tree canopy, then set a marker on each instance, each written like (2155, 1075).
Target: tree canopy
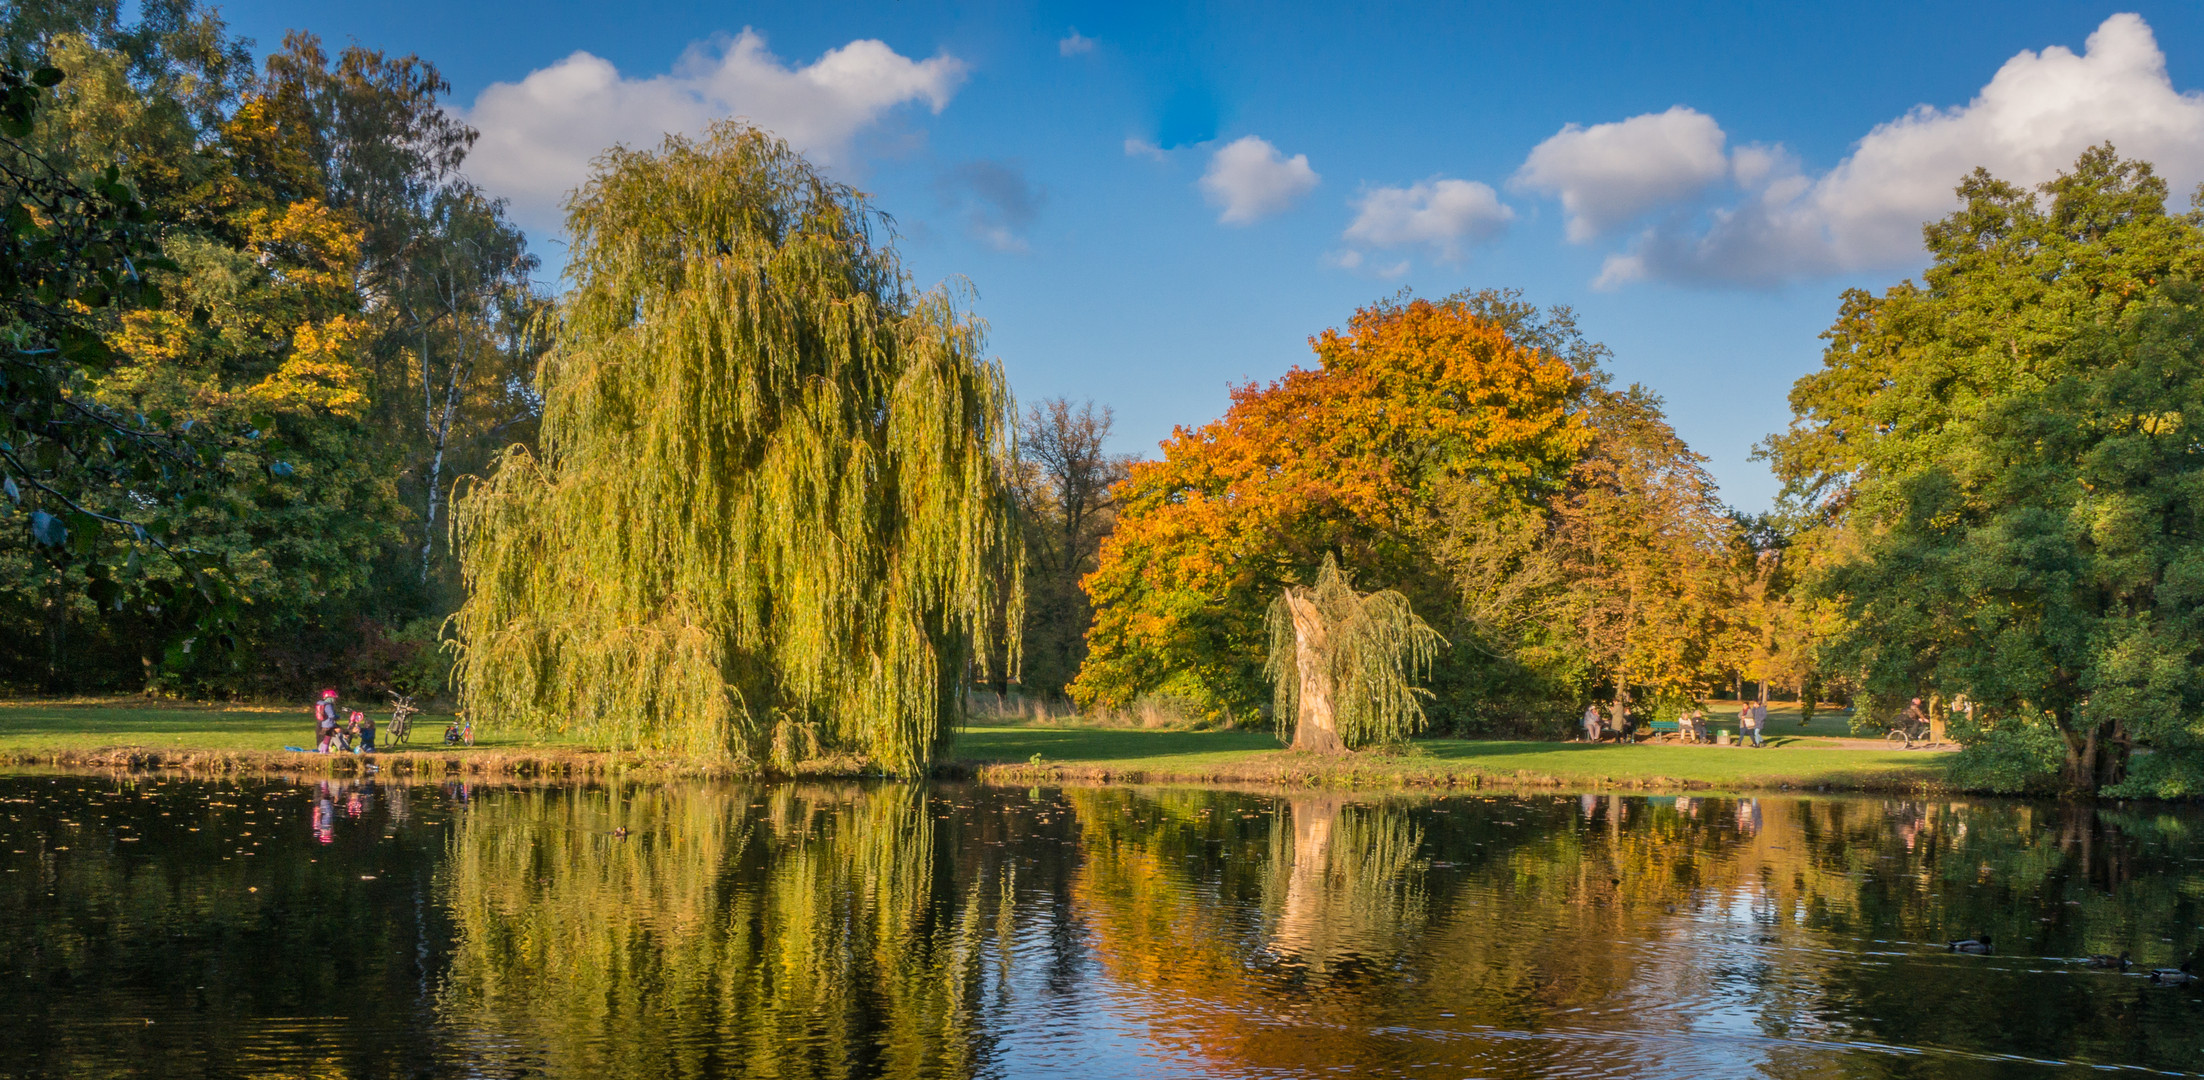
(1464, 452)
(2008, 448)
(771, 491)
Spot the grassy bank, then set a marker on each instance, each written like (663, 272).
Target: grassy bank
(127, 733)
(132, 733)
(1008, 755)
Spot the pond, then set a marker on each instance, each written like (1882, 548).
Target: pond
(172, 927)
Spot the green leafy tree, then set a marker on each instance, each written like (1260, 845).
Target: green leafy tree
(771, 492)
(2009, 445)
(97, 492)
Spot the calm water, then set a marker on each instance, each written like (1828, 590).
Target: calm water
(212, 929)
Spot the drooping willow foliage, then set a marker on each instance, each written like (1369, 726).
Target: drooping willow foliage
(1368, 651)
(770, 490)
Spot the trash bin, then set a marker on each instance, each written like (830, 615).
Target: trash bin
(1722, 737)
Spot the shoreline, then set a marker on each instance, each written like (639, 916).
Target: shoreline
(1302, 771)
(1274, 769)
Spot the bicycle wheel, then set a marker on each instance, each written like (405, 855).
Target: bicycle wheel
(1899, 737)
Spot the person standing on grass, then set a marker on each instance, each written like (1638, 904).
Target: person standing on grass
(325, 720)
(1759, 711)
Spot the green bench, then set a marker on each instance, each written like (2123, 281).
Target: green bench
(1658, 728)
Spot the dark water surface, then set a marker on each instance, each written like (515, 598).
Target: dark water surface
(191, 928)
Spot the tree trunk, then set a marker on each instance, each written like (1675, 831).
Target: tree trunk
(2081, 757)
(2112, 754)
(1314, 727)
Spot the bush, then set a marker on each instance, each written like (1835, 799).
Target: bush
(2008, 755)
(2164, 772)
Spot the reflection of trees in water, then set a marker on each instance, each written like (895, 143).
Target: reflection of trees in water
(1307, 929)
(790, 932)
(1251, 932)
(153, 923)
(1343, 886)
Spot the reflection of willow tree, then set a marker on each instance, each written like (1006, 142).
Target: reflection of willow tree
(1343, 882)
(1236, 914)
(802, 938)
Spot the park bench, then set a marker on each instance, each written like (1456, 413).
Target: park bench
(1659, 728)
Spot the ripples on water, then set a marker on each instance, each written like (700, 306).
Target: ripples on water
(191, 928)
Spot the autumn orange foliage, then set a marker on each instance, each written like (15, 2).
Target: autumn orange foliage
(1342, 458)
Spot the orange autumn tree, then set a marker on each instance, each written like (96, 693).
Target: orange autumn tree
(1348, 459)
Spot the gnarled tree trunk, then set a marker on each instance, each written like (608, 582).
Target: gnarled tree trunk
(1314, 727)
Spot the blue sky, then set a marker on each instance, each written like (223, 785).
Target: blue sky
(1154, 203)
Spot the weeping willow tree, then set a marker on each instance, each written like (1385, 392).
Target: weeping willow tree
(770, 491)
(1344, 662)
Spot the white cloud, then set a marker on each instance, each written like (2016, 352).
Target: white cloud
(1608, 175)
(1439, 214)
(1143, 148)
(539, 134)
(2037, 115)
(1249, 179)
(1075, 45)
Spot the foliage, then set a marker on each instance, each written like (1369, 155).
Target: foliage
(1062, 480)
(94, 489)
(771, 487)
(313, 323)
(1371, 649)
(1347, 458)
(2011, 755)
(2007, 446)
(1642, 544)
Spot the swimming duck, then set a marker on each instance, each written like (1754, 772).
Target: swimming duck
(2120, 962)
(2180, 976)
(1978, 945)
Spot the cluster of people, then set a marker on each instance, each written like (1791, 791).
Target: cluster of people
(1752, 719)
(1752, 723)
(352, 734)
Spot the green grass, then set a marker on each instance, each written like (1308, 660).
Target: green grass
(28, 727)
(1790, 760)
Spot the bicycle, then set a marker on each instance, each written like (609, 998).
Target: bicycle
(1907, 732)
(460, 730)
(402, 712)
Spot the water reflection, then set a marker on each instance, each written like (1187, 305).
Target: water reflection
(354, 929)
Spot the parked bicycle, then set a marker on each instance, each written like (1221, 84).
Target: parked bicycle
(402, 712)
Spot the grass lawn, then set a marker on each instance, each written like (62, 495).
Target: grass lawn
(1790, 760)
(29, 727)
(59, 731)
